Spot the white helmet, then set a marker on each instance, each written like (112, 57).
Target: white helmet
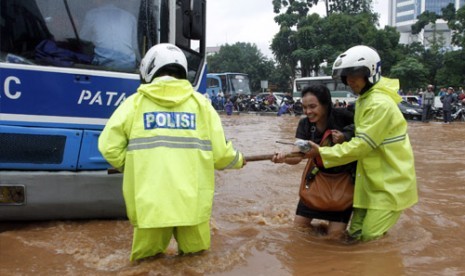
(358, 59)
(160, 56)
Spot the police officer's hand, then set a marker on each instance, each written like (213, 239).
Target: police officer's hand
(278, 157)
(337, 136)
(281, 157)
(314, 150)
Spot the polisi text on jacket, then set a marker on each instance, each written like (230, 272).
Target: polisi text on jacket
(171, 120)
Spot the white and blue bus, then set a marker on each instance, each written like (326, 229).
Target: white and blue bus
(56, 98)
(228, 83)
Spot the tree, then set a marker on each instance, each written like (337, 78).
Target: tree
(309, 39)
(317, 39)
(332, 6)
(456, 22)
(423, 20)
(410, 72)
(433, 57)
(242, 57)
(385, 41)
(349, 7)
(283, 43)
(453, 71)
(281, 77)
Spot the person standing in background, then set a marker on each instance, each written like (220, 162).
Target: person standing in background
(447, 101)
(427, 100)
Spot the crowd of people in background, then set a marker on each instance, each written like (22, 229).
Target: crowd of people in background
(242, 102)
(458, 94)
(449, 97)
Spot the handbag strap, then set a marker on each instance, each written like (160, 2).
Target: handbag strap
(325, 141)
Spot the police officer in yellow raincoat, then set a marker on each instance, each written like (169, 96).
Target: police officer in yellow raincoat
(385, 181)
(168, 140)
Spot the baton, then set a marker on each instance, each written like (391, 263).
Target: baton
(285, 143)
(263, 157)
(250, 158)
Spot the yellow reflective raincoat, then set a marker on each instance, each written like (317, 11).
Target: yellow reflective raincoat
(385, 178)
(169, 140)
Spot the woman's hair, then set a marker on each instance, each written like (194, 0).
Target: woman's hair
(321, 92)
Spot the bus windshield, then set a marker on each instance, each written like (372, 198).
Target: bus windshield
(240, 83)
(228, 83)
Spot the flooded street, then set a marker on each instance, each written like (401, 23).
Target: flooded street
(252, 232)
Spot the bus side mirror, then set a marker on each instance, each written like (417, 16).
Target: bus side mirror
(193, 19)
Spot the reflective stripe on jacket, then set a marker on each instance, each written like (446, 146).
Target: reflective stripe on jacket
(169, 140)
(385, 176)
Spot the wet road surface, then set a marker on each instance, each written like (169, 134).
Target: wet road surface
(252, 232)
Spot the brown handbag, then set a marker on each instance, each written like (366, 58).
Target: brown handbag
(326, 191)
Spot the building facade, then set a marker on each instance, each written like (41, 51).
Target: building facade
(403, 14)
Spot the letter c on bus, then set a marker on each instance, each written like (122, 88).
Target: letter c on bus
(6, 88)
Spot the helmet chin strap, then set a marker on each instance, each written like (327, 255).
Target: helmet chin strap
(367, 87)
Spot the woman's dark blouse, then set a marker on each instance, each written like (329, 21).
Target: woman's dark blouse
(338, 119)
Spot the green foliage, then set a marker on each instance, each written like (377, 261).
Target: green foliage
(315, 39)
(443, 68)
(309, 39)
(448, 13)
(332, 6)
(453, 71)
(410, 72)
(386, 42)
(244, 57)
(455, 22)
(424, 19)
(349, 7)
(457, 25)
(284, 43)
(433, 60)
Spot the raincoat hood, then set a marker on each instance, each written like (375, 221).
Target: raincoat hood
(385, 86)
(167, 91)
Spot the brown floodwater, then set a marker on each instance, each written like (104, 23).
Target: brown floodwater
(252, 232)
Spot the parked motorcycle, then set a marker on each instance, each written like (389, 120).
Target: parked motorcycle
(250, 105)
(264, 106)
(458, 112)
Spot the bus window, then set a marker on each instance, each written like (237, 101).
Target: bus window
(104, 30)
(212, 83)
(240, 84)
(76, 33)
(22, 28)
